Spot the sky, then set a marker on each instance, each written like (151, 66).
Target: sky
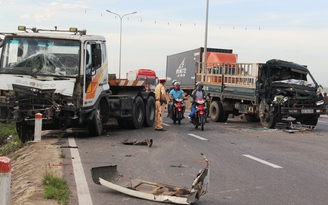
(256, 30)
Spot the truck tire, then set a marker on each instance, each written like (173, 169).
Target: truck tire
(149, 112)
(217, 112)
(25, 132)
(138, 114)
(224, 116)
(100, 116)
(268, 120)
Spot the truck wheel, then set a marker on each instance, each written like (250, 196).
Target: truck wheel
(25, 132)
(268, 120)
(149, 112)
(138, 114)
(99, 118)
(310, 120)
(217, 113)
(224, 116)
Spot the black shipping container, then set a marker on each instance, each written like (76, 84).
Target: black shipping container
(181, 66)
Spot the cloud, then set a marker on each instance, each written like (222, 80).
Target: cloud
(25, 16)
(69, 6)
(44, 16)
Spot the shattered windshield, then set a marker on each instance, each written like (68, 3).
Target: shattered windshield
(293, 77)
(40, 56)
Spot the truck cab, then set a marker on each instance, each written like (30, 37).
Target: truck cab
(61, 74)
(145, 74)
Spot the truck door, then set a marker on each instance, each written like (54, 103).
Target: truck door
(95, 72)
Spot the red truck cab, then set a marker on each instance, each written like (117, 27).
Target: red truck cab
(144, 74)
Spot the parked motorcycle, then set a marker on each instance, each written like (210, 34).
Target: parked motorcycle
(178, 106)
(200, 113)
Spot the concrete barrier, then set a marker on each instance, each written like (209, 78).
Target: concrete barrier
(38, 127)
(5, 180)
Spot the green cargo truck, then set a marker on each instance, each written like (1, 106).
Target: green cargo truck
(271, 92)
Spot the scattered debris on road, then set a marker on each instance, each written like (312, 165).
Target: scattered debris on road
(180, 166)
(68, 146)
(148, 142)
(301, 128)
(108, 176)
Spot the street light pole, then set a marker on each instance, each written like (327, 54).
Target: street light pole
(206, 28)
(121, 18)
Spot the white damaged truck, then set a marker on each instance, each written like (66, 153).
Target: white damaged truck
(63, 74)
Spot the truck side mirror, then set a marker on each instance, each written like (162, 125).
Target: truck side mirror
(96, 58)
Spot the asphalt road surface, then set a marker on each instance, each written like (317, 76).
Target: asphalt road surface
(250, 165)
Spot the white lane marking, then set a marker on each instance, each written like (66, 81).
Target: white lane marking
(83, 193)
(198, 137)
(262, 161)
(228, 191)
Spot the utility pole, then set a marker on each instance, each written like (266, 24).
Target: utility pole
(206, 28)
(120, 55)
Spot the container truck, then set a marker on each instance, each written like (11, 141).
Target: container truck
(63, 74)
(181, 66)
(271, 92)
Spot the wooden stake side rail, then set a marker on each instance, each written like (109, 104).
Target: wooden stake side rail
(228, 73)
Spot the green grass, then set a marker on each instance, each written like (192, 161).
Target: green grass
(55, 188)
(62, 155)
(6, 147)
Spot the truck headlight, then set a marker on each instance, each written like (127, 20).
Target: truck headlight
(284, 99)
(320, 102)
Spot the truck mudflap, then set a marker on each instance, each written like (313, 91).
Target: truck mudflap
(108, 176)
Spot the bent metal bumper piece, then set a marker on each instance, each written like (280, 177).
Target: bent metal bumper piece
(108, 176)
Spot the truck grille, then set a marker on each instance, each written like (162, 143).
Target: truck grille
(32, 98)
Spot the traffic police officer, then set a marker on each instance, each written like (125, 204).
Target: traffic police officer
(160, 96)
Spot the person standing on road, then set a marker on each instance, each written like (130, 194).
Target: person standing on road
(160, 96)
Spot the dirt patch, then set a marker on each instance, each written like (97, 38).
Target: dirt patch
(34, 159)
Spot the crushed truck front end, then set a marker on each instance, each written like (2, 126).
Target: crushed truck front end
(288, 90)
(44, 72)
